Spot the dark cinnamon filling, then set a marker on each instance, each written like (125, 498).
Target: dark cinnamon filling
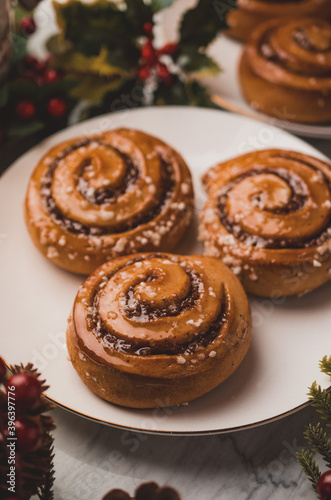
(111, 341)
(269, 53)
(137, 310)
(301, 38)
(298, 200)
(106, 196)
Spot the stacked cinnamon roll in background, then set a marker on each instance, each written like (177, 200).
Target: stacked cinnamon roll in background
(286, 66)
(249, 14)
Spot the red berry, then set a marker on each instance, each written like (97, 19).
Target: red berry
(39, 80)
(148, 28)
(169, 48)
(57, 107)
(143, 73)
(27, 390)
(30, 75)
(51, 75)
(3, 368)
(324, 486)
(164, 74)
(40, 67)
(28, 434)
(49, 59)
(147, 52)
(25, 109)
(28, 26)
(31, 62)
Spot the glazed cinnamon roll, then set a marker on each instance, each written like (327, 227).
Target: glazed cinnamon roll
(152, 330)
(285, 70)
(94, 198)
(268, 216)
(249, 14)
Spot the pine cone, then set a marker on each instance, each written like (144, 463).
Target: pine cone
(34, 472)
(146, 491)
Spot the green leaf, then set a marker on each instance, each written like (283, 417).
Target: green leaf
(198, 95)
(92, 25)
(19, 48)
(158, 5)
(199, 63)
(200, 25)
(19, 13)
(24, 89)
(99, 65)
(4, 94)
(18, 130)
(222, 9)
(127, 96)
(174, 95)
(138, 13)
(56, 45)
(93, 89)
(189, 93)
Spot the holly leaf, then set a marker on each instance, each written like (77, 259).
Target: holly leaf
(94, 76)
(56, 45)
(158, 5)
(4, 94)
(199, 63)
(222, 8)
(92, 25)
(19, 48)
(173, 95)
(198, 94)
(19, 13)
(93, 89)
(19, 129)
(200, 25)
(62, 87)
(127, 96)
(24, 89)
(138, 13)
(100, 65)
(189, 93)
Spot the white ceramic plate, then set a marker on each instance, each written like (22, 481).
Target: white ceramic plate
(225, 87)
(36, 296)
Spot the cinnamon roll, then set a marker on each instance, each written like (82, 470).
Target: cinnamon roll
(285, 70)
(268, 216)
(152, 330)
(249, 14)
(94, 198)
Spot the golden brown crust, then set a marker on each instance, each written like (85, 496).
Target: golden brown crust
(94, 198)
(268, 216)
(285, 70)
(251, 13)
(152, 330)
